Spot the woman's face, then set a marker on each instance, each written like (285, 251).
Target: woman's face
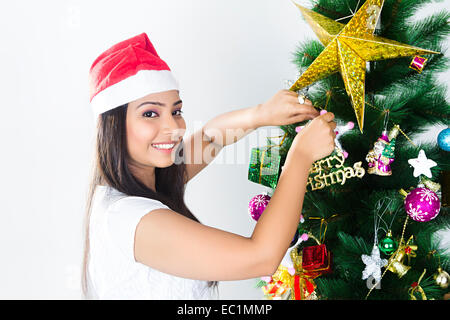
(155, 127)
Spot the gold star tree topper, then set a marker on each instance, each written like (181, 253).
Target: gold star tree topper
(348, 48)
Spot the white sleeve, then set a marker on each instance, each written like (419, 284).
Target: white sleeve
(123, 217)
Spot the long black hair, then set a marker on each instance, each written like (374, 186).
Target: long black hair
(110, 167)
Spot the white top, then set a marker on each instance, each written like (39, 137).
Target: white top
(113, 273)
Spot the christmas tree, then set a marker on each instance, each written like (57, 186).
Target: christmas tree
(374, 206)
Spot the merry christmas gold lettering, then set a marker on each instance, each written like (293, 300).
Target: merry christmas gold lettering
(322, 175)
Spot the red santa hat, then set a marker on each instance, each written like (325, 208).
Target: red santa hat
(127, 71)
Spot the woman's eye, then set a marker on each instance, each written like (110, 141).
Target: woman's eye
(147, 114)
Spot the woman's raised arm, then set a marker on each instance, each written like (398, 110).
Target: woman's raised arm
(281, 109)
(204, 145)
(174, 244)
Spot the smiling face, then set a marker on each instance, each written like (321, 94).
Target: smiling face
(155, 127)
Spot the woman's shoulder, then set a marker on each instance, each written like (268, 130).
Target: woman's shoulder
(118, 201)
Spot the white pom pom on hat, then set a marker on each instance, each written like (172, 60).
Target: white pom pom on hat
(129, 70)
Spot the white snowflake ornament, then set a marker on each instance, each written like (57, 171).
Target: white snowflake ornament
(422, 165)
(373, 264)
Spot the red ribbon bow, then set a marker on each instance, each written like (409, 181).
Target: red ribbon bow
(298, 289)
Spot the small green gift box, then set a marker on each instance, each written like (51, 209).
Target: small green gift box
(264, 166)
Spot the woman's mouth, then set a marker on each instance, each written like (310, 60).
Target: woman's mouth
(164, 147)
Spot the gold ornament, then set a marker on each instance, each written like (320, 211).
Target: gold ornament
(396, 262)
(396, 265)
(279, 287)
(393, 133)
(433, 186)
(348, 48)
(442, 278)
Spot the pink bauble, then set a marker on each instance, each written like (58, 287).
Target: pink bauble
(422, 204)
(257, 205)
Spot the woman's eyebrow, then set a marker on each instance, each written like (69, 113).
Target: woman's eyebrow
(158, 103)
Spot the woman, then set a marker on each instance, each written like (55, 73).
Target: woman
(142, 242)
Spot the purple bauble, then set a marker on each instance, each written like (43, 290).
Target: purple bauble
(257, 205)
(422, 204)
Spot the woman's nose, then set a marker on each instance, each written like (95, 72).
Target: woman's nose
(173, 127)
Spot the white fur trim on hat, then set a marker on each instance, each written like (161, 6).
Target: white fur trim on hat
(144, 82)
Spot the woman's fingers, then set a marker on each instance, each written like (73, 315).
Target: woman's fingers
(305, 109)
(328, 116)
(302, 117)
(307, 101)
(333, 125)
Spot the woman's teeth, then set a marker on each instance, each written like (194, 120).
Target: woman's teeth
(163, 146)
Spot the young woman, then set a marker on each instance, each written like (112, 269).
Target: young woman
(142, 242)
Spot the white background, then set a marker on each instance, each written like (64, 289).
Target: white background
(226, 55)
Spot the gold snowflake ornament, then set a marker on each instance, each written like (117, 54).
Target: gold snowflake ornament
(348, 48)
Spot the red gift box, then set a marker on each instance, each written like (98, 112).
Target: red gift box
(316, 258)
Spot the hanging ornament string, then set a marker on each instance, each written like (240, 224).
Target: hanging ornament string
(396, 125)
(395, 253)
(323, 222)
(386, 120)
(379, 218)
(269, 147)
(401, 131)
(432, 253)
(353, 12)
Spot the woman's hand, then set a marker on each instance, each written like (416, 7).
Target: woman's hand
(316, 140)
(283, 109)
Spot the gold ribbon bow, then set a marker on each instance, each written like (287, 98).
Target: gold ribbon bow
(323, 222)
(410, 249)
(415, 287)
